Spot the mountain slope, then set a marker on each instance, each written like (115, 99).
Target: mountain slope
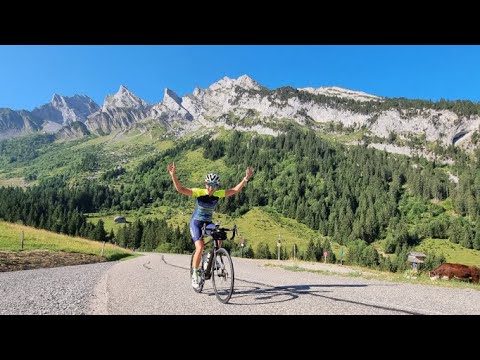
(119, 111)
(16, 123)
(64, 110)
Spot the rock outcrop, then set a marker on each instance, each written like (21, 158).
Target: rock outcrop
(65, 110)
(244, 104)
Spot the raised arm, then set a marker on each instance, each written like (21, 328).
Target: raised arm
(172, 170)
(241, 184)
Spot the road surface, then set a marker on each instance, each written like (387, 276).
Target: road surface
(159, 284)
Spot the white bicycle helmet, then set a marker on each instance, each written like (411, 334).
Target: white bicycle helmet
(212, 178)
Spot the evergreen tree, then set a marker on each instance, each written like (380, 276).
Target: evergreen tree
(263, 251)
(310, 254)
(99, 232)
(111, 237)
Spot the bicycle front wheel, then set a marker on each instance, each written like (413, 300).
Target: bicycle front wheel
(223, 277)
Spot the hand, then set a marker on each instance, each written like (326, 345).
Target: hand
(172, 169)
(249, 172)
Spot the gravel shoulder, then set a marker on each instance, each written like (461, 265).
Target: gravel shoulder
(66, 290)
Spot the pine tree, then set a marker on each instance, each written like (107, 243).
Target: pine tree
(476, 238)
(99, 232)
(111, 237)
(310, 254)
(263, 251)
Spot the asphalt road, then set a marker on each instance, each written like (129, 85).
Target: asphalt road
(160, 284)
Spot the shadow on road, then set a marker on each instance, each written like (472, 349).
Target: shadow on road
(264, 294)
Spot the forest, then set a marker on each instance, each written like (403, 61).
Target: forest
(352, 195)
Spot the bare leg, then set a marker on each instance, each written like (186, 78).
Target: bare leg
(199, 245)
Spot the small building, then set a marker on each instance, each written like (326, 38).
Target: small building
(416, 258)
(120, 220)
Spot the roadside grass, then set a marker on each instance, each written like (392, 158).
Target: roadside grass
(407, 277)
(36, 239)
(454, 253)
(298, 268)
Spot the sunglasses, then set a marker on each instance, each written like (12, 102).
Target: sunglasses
(212, 184)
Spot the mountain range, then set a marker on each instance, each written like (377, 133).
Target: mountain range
(244, 104)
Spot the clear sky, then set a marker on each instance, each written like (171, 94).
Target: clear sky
(31, 74)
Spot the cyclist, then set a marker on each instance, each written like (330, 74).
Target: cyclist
(206, 200)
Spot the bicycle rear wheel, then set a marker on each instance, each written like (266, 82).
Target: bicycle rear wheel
(202, 275)
(223, 276)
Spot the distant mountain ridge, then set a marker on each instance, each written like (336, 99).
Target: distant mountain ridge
(64, 110)
(244, 104)
(16, 123)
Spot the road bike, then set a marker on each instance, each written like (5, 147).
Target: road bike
(216, 264)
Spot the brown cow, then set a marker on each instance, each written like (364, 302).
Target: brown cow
(457, 271)
(475, 274)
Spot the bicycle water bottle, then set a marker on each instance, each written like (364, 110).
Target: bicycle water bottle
(206, 257)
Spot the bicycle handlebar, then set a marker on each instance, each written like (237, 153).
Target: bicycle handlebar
(233, 229)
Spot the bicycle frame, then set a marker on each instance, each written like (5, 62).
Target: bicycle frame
(215, 247)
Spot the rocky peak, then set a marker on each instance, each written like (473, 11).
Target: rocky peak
(171, 107)
(66, 109)
(244, 81)
(224, 83)
(197, 91)
(56, 99)
(124, 98)
(170, 97)
(82, 103)
(247, 82)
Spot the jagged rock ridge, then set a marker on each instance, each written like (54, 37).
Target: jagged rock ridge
(244, 104)
(65, 110)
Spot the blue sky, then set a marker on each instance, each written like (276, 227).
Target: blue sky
(30, 75)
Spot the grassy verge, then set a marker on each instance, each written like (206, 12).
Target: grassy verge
(406, 277)
(454, 253)
(35, 239)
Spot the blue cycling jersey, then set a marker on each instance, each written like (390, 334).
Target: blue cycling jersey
(205, 204)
